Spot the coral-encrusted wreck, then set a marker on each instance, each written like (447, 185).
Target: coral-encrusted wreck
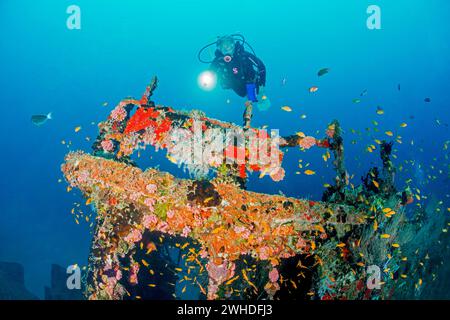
(227, 241)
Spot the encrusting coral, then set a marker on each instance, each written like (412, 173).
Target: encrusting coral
(226, 221)
(243, 240)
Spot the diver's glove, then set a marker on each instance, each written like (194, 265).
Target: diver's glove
(263, 102)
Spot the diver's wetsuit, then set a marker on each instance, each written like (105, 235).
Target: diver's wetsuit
(242, 72)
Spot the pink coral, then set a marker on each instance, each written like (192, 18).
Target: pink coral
(277, 174)
(119, 114)
(264, 253)
(186, 231)
(107, 145)
(109, 285)
(151, 188)
(134, 270)
(307, 142)
(243, 231)
(133, 236)
(149, 221)
(218, 274)
(83, 176)
(149, 202)
(135, 196)
(163, 226)
(118, 274)
(274, 275)
(203, 254)
(301, 244)
(170, 214)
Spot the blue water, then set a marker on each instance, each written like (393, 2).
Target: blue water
(45, 67)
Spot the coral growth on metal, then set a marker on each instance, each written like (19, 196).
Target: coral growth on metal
(125, 132)
(221, 224)
(227, 221)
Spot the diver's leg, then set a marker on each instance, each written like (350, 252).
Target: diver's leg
(251, 92)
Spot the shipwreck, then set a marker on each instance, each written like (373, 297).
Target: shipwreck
(157, 236)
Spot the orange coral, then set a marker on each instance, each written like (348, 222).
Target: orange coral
(271, 225)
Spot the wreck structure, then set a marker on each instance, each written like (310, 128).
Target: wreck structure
(155, 232)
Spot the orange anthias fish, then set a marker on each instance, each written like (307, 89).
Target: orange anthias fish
(150, 247)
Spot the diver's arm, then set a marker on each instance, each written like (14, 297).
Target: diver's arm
(217, 67)
(214, 66)
(261, 73)
(260, 67)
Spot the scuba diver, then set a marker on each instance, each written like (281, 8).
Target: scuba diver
(238, 69)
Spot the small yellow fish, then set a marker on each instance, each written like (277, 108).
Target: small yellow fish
(309, 172)
(375, 225)
(171, 159)
(232, 280)
(389, 133)
(385, 236)
(403, 125)
(395, 245)
(390, 213)
(376, 184)
(263, 173)
(77, 129)
(286, 108)
(340, 245)
(208, 200)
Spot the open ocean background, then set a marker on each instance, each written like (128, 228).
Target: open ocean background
(45, 67)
